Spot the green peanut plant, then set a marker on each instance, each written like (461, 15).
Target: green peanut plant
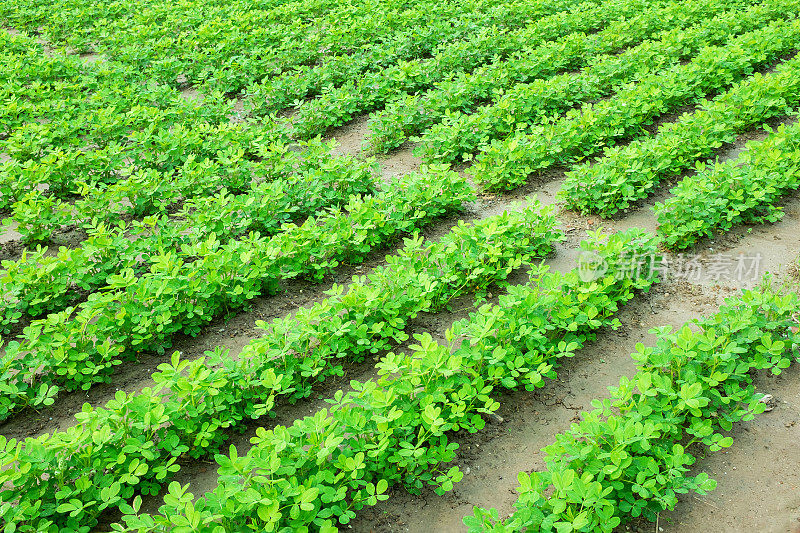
(39, 282)
(413, 113)
(162, 147)
(182, 292)
(460, 134)
(65, 123)
(722, 195)
(438, 34)
(375, 90)
(318, 472)
(149, 191)
(631, 455)
(192, 403)
(625, 175)
(224, 46)
(507, 163)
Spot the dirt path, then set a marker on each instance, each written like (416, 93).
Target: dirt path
(758, 479)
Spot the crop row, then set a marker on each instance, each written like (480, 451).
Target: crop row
(279, 92)
(65, 171)
(43, 86)
(412, 114)
(627, 174)
(40, 282)
(77, 25)
(374, 90)
(743, 190)
(631, 456)
(395, 430)
(460, 134)
(229, 45)
(182, 292)
(68, 124)
(582, 132)
(149, 191)
(132, 444)
(221, 57)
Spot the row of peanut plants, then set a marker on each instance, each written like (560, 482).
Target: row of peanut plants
(66, 479)
(278, 92)
(396, 430)
(414, 113)
(228, 45)
(58, 147)
(41, 282)
(743, 190)
(460, 134)
(507, 163)
(375, 90)
(38, 215)
(69, 126)
(627, 174)
(182, 292)
(115, 143)
(632, 455)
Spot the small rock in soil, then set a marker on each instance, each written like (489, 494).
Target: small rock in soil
(769, 401)
(494, 418)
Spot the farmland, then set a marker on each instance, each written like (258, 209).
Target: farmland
(400, 265)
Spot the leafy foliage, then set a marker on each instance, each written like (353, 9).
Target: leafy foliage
(149, 191)
(70, 126)
(743, 190)
(375, 90)
(225, 46)
(536, 63)
(631, 455)
(581, 132)
(319, 471)
(444, 26)
(627, 174)
(134, 442)
(39, 282)
(191, 214)
(77, 347)
(459, 134)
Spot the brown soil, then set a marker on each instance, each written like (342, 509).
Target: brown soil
(9, 233)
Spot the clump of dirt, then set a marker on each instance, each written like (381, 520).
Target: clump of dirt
(794, 270)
